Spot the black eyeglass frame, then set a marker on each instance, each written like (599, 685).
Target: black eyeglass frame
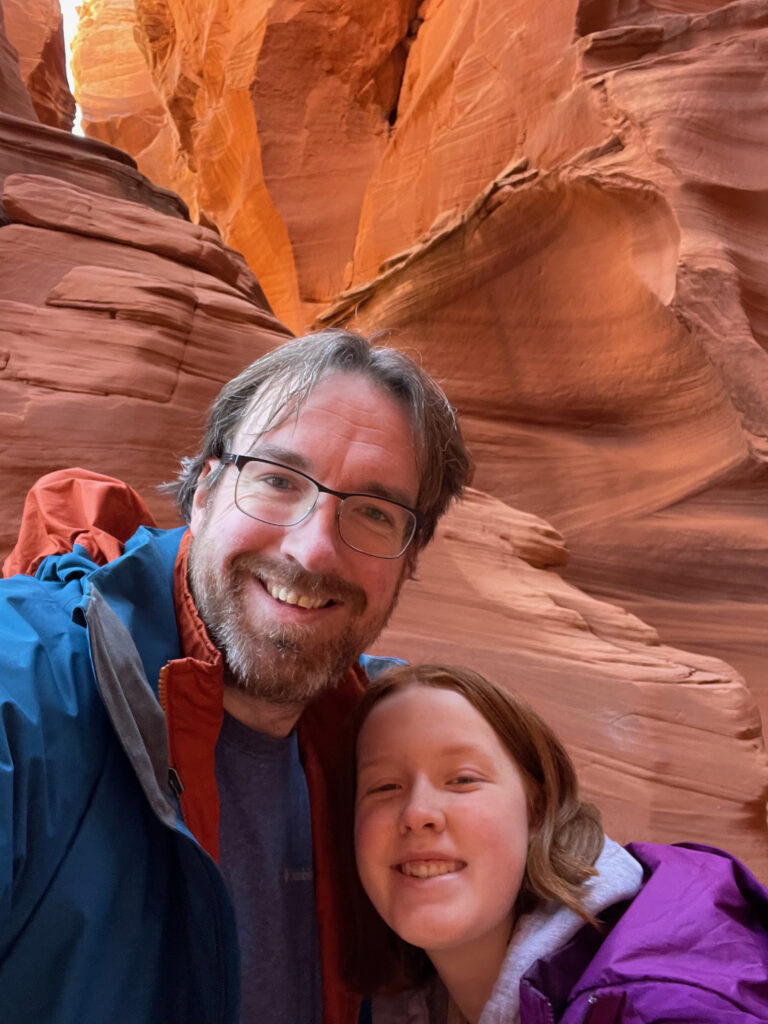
(240, 461)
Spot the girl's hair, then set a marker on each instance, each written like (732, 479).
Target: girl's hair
(566, 834)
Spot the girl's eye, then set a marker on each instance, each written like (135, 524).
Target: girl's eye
(384, 787)
(463, 780)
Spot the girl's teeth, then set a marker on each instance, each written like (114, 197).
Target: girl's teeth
(429, 868)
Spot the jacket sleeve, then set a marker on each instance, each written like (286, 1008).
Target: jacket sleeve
(51, 743)
(651, 1001)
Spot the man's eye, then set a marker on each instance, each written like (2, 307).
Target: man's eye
(276, 482)
(376, 514)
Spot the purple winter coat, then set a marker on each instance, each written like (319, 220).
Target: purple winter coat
(690, 948)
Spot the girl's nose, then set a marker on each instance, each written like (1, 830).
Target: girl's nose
(422, 810)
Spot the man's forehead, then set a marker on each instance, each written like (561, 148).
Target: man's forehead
(274, 406)
(272, 410)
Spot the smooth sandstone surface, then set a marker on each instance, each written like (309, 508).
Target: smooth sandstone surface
(562, 212)
(214, 99)
(34, 28)
(119, 318)
(666, 742)
(14, 98)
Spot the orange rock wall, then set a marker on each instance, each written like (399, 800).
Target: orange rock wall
(119, 318)
(214, 100)
(34, 29)
(561, 209)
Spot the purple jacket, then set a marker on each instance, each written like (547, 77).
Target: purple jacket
(690, 948)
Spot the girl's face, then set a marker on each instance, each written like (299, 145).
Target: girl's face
(441, 821)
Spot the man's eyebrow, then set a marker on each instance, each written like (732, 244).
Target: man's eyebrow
(382, 491)
(289, 457)
(276, 453)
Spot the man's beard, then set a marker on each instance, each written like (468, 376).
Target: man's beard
(284, 664)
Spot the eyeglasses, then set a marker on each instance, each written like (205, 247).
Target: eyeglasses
(281, 496)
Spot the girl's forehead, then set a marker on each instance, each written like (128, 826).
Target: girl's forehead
(421, 718)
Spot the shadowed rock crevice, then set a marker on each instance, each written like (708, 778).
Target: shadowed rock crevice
(568, 230)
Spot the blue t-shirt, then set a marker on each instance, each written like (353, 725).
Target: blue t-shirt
(265, 840)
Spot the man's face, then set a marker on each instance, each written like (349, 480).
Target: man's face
(247, 576)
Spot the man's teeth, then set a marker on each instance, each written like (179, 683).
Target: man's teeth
(429, 868)
(291, 597)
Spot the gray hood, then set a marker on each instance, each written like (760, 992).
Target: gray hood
(536, 935)
(551, 925)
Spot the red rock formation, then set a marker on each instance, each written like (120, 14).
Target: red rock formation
(14, 98)
(602, 325)
(668, 743)
(217, 103)
(569, 238)
(119, 319)
(34, 28)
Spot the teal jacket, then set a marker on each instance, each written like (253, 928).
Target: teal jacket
(110, 911)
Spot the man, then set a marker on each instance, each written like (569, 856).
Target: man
(169, 699)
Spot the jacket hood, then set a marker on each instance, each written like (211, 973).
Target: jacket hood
(76, 507)
(547, 928)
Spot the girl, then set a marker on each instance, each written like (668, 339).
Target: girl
(497, 897)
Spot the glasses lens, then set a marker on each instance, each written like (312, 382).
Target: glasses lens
(274, 494)
(375, 526)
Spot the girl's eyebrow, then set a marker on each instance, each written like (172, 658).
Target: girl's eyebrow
(373, 762)
(454, 750)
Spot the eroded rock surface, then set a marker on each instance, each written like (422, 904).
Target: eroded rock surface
(119, 318)
(563, 215)
(14, 98)
(34, 29)
(600, 321)
(215, 100)
(668, 743)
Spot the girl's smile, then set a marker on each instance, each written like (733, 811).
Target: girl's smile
(441, 823)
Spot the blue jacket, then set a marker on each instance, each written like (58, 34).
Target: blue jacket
(110, 911)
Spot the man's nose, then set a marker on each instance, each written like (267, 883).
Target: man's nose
(423, 809)
(314, 543)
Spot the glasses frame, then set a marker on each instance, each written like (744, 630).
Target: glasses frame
(240, 461)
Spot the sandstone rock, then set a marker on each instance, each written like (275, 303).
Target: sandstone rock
(119, 319)
(567, 225)
(35, 29)
(668, 743)
(14, 98)
(218, 103)
(601, 323)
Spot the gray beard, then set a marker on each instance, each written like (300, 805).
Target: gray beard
(286, 665)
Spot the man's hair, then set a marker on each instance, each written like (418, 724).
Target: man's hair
(565, 839)
(279, 383)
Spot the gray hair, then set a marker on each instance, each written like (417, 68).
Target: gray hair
(281, 381)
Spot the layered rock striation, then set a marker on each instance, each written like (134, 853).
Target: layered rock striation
(119, 318)
(561, 212)
(34, 28)
(668, 743)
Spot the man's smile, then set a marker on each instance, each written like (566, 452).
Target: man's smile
(294, 597)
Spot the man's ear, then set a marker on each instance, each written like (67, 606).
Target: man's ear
(201, 497)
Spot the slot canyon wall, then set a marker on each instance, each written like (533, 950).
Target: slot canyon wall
(564, 214)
